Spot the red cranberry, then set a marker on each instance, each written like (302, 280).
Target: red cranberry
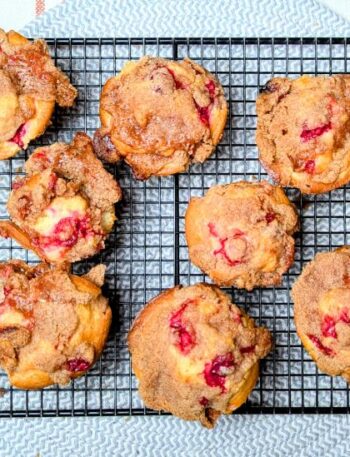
(204, 401)
(76, 365)
(212, 230)
(344, 316)
(317, 342)
(210, 85)
(7, 290)
(18, 137)
(17, 184)
(222, 250)
(178, 84)
(52, 181)
(42, 158)
(184, 331)
(310, 134)
(328, 327)
(216, 371)
(67, 233)
(236, 318)
(204, 114)
(309, 166)
(270, 216)
(247, 350)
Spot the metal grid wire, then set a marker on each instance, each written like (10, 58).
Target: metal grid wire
(147, 251)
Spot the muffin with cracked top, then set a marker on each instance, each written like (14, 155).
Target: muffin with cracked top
(159, 116)
(303, 132)
(240, 234)
(195, 353)
(53, 325)
(321, 297)
(30, 85)
(63, 209)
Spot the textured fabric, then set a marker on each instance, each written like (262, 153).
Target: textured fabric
(163, 436)
(242, 436)
(108, 18)
(19, 12)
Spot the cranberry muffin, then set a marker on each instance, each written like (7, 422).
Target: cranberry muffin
(321, 297)
(160, 115)
(63, 208)
(30, 85)
(195, 353)
(240, 234)
(53, 325)
(303, 132)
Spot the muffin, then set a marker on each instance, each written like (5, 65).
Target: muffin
(240, 234)
(63, 208)
(30, 85)
(303, 132)
(195, 353)
(53, 325)
(160, 115)
(321, 297)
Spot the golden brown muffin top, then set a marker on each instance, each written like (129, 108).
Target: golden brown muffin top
(321, 297)
(303, 131)
(65, 202)
(27, 73)
(241, 233)
(175, 111)
(193, 350)
(43, 312)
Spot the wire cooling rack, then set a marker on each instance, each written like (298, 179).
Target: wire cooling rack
(147, 251)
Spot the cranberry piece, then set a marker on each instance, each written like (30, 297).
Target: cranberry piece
(236, 318)
(317, 342)
(270, 216)
(210, 85)
(52, 181)
(204, 401)
(344, 316)
(204, 114)
(42, 159)
(17, 184)
(212, 230)
(184, 332)
(309, 166)
(76, 365)
(222, 250)
(310, 134)
(67, 233)
(216, 371)
(178, 84)
(39, 155)
(18, 137)
(328, 327)
(247, 350)
(7, 290)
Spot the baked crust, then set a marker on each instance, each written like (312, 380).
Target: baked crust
(160, 115)
(53, 325)
(240, 234)
(30, 85)
(321, 297)
(196, 354)
(63, 208)
(303, 132)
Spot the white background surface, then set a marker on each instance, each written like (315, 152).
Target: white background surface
(339, 6)
(14, 14)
